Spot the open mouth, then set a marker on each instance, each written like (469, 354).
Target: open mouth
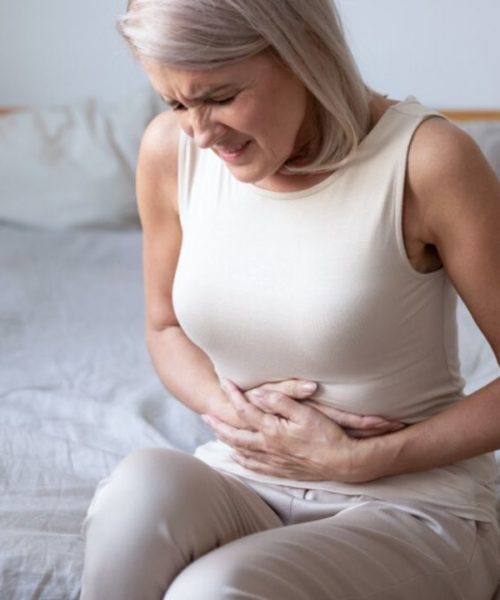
(232, 154)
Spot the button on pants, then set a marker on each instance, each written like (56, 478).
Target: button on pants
(166, 526)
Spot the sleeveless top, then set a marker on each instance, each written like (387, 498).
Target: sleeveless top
(316, 284)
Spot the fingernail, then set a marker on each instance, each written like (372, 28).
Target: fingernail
(308, 387)
(206, 418)
(258, 393)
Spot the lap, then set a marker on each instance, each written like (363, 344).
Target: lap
(371, 549)
(183, 527)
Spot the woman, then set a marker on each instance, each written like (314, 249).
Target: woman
(301, 235)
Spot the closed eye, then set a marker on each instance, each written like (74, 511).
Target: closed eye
(177, 106)
(224, 101)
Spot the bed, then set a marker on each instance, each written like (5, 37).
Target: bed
(77, 388)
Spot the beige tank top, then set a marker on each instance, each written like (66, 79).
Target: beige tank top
(317, 285)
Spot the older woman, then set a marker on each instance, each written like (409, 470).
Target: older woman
(303, 237)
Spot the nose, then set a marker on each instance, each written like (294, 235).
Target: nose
(204, 130)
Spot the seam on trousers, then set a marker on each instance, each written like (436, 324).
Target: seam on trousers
(235, 501)
(289, 515)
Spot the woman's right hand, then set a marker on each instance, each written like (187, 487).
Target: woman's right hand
(358, 426)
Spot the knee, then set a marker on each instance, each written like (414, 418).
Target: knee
(161, 470)
(145, 485)
(211, 580)
(239, 569)
(148, 467)
(142, 521)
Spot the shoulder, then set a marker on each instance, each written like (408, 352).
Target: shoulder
(447, 176)
(458, 198)
(157, 162)
(441, 149)
(161, 136)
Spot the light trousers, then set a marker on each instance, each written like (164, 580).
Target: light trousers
(166, 526)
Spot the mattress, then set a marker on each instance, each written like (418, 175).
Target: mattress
(78, 393)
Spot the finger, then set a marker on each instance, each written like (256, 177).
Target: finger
(246, 411)
(294, 388)
(237, 438)
(277, 403)
(253, 465)
(259, 463)
(367, 433)
(348, 420)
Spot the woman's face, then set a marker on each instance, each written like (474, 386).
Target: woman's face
(254, 115)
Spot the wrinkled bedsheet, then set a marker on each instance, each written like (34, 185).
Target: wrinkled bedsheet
(78, 393)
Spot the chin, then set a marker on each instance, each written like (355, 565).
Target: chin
(254, 173)
(248, 174)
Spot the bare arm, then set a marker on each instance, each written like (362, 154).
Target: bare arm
(183, 368)
(459, 198)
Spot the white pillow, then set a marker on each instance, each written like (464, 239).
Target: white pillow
(478, 362)
(73, 166)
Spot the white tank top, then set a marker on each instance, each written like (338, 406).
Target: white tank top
(316, 284)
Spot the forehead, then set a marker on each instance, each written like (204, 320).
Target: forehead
(193, 84)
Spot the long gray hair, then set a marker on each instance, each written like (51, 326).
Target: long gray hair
(307, 36)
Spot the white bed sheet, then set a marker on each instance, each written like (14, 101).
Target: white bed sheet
(78, 393)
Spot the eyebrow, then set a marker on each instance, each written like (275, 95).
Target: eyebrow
(202, 97)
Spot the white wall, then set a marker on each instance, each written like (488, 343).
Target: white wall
(57, 51)
(445, 52)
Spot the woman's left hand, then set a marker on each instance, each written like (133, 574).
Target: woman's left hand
(289, 440)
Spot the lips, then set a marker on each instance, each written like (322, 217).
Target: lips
(233, 149)
(231, 152)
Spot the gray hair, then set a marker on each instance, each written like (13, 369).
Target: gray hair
(307, 36)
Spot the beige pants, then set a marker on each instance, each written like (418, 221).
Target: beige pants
(167, 526)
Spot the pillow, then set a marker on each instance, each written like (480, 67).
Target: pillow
(487, 137)
(73, 166)
(477, 360)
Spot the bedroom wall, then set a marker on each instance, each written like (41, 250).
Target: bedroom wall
(446, 52)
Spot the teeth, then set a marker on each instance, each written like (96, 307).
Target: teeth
(234, 150)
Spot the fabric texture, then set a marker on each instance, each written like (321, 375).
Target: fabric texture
(73, 165)
(165, 525)
(317, 285)
(78, 391)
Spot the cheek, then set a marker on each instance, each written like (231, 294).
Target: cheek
(284, 121)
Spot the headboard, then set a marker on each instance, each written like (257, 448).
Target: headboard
(472, 115)
(455, 115)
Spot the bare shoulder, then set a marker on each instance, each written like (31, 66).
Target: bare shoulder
(457, 195)
(447, 176)
(157, 164)
(440, 148)
(161, 136)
